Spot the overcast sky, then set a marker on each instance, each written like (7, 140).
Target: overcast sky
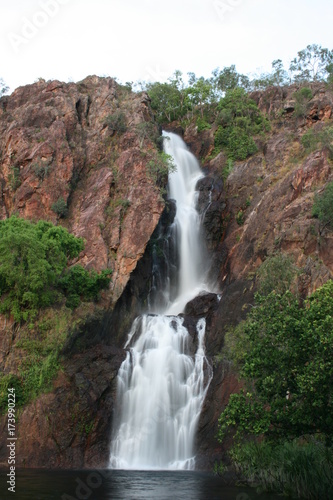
(148, 39)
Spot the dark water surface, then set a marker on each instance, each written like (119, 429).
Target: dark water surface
(123, 485)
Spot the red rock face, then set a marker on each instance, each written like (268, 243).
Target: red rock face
(56, 144)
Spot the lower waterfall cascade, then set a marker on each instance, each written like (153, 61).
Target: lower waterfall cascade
(162, 383)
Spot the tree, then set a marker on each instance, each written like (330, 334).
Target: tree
(239, 120)
(287, 364)
(33, 263)
(311, 63)
(323, 207)
(3, 88)
(276, 274)
(165, 101)
(200, 93)
(279, 74)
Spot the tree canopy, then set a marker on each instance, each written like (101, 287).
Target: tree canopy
(285, 352)
(33, 264)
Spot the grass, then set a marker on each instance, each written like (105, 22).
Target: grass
(295, 469)
(39, 358)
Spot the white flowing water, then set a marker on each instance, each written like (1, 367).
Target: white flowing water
(161, 386)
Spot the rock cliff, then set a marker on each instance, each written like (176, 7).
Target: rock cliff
(78, 155)
(264, 207)
(87, 144)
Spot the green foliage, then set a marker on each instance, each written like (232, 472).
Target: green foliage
(202, 124)
(168, 100)
(311, 63)
(276, 274)
(239, 120)
(159, 167)
(60, 208)
(40, 169)
(33, 267)
(148, 131)
(228, 79)
(315, 139)
(37, 374)
(14, 178)
(297, 470)
(10, 381)
(240, 218)
(323, 206)
(288, 367)
(79, 283)
(116, 122)
(228, 169)
(39, 358)
(302, 97)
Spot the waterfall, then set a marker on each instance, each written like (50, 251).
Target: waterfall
(162, 383)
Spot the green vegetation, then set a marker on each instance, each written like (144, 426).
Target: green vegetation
(286, 359)
(276, 274)
(159, 167)
(14, 178)
(311, 64)
(78, 282)
(117, 122)
(33, 268)
(318, 138)
(302, 97)
(296, 469)
(39, 358)
(60, 208)
(284, 352)
(323, 207)
(148, 131)
(40, 169)
(239, 119)
(240, 218)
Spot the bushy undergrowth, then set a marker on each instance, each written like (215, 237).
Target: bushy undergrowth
(34, 268)
(38, 358)
(298, 470)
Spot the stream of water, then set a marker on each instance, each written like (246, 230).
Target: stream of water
(161, 383)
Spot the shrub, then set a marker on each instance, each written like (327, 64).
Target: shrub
(297, 470)
(314, 139)
(323, 207)
(240, 218)
(33, 267)
(276, 274)
(202, 124)
(78, 282)
(117, 122)
(159, 167)
(288, 368)
(40, 170)
(14, 178)
(9, 381)
(239, 121)
(302, 97)
(60, 208)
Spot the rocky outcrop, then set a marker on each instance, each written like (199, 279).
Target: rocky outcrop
(81, 143)
(79, 147)
(77, 155)
(263, 207)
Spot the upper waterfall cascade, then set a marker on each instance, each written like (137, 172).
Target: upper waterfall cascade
(161, 386)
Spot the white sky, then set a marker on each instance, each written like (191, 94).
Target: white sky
(148, 39)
